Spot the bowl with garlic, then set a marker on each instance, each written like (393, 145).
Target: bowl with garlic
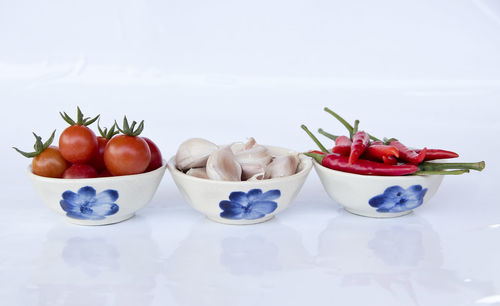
(240, 183)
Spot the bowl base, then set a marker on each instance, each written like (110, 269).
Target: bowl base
(240, 222)
(377, 215)
(100, 222)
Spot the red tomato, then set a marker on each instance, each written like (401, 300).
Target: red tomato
(98, 160)
(77, 171)
(156, 159)
(78, 144)
(49, 163)
(105, 173)
(126, 155)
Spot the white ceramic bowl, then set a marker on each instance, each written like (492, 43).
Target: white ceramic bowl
(246, 202)
(378, 196)
(98, 201)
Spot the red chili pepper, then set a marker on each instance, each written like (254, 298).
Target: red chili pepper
(342, 146)
(317, 152)
(364, 167)
(360, 141)
(377, 152)
(409, 155)
(390, 160)
(433, 154)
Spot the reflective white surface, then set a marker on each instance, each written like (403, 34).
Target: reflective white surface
(426, 73)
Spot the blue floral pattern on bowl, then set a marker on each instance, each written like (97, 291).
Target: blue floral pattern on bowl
(249, 206)
(86, 204)
(396, 199)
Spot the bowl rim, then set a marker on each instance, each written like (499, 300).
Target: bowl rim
(97, 179)
(171, 165)
(373, 177)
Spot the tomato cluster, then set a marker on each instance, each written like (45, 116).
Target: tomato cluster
(82, 154)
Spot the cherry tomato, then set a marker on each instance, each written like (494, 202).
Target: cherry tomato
(126, 155)
(49, 163)
(156, 159)
(78, 144)
(77, 171)
(97, 160)
(105, 173)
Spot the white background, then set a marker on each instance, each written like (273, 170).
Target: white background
(426, 72)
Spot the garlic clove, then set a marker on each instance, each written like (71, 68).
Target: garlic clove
(222, 165)
(252, 157)
(194, 153)
(240, 146)
(198, 172)
(257, 177)
(282, 166)
(252, 170)
(251, 153)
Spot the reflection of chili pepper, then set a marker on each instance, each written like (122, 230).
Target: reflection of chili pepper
(377, 152)
(364, 167)
(342, 146)
(360, 141)
(409, 155)
(433, 154)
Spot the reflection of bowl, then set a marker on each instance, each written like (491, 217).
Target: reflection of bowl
(93, 266)
(378, 247)
(235, 266)
(378, 196)
(244, 202)
(98, 201)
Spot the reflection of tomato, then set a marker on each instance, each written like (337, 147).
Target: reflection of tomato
(156, 160)
(78, 144)
(98, 160)
(77, 171)
(49, 163)
(125, 155)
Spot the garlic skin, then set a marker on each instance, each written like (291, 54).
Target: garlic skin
(222, 165)
(282, 166)
(194, 153)
(198, 172)
(252, 157)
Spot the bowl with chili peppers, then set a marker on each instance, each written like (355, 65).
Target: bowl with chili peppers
(380, 178)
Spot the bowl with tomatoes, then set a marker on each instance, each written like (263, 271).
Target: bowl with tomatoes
(96, 180)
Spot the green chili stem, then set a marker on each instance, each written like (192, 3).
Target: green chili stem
(346, 124)
(321, 147)
(316, 156)
(342, 120)
(429, 166)
(328, 135)
(442, 172)
(355, 128)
